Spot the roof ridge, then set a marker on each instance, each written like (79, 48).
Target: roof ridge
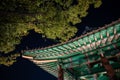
(93, 31)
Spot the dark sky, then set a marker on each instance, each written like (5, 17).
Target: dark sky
(108, 12)
(25, 70)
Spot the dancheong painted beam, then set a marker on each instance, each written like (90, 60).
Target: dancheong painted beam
(80, 58)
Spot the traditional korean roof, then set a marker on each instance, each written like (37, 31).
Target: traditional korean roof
(78, 53)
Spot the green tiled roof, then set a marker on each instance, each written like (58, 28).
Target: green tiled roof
(76, 54)
(80, 45)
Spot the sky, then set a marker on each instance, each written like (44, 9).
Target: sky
(23, 69)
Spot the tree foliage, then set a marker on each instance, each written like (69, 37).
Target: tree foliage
(52, 18)
(8, 60)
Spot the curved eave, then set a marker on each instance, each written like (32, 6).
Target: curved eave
(38, 61)
(27, 57)
(66, 50)
(75, 54)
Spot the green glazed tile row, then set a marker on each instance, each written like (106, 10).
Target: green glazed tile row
(84, 44)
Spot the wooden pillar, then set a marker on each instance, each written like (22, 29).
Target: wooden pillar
(108, 68)
(60, 73)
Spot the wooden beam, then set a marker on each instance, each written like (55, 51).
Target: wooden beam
(92, 63)
(109, 58)
(60, 73)
(108, 68)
